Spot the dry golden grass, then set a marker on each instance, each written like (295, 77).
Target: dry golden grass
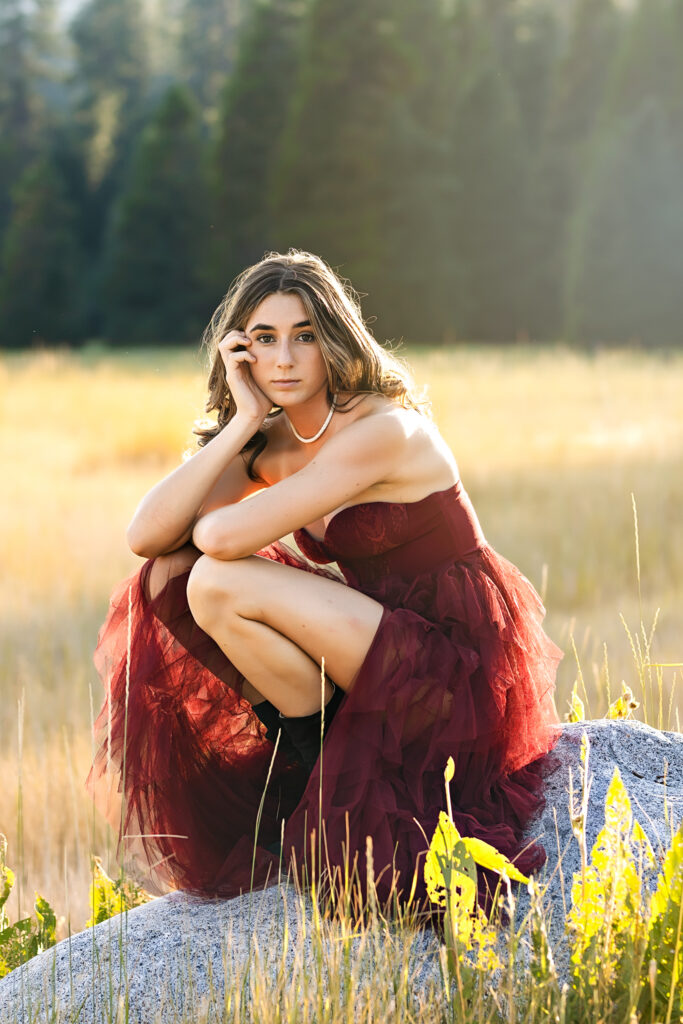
(551, 445)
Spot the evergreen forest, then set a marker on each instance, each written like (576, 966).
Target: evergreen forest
(481, 170)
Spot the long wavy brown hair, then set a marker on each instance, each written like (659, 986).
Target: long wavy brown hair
(355, 361)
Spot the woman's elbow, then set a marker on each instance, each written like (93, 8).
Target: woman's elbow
(139, 544)
(149, 545)
(144, 543)
(208, 536)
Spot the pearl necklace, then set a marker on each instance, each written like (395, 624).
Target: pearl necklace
(310, 440)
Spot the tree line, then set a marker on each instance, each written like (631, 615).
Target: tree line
(489, 170)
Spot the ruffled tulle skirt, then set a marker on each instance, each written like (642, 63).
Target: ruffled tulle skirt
(459, 667)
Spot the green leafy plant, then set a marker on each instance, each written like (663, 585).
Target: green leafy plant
(625, 934)
(450, 874)
(624, 706)
(626, 946)
(607, 922)
(577, 711)
(662, 995)
(110, 896)
(29, 936)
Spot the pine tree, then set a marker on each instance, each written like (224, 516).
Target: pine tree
(489, 163)
(528, 39)
(331, 178)
(207, 50)
(624, 276)
(110, 79)
(649, 64)
(675, 100)
(108, 96)
(30, 78)
(155, 265)
(16, 144)
(40, 283)
(576, 96)
(353, 160)
(253, 110)
(50, 60)
(422, 256)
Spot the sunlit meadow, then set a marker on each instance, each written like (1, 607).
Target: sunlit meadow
(555, 447)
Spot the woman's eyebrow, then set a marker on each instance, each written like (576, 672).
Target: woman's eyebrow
(269, 327)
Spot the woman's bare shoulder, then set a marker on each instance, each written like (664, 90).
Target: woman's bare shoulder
(424, 460)
(408, 426)
(368, 421)
(371, 406)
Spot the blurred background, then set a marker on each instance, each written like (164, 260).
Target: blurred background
(501, 182)
(488, 170)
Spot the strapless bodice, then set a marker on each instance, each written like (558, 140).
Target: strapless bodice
(379, 538)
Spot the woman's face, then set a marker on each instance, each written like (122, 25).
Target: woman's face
(289, 365)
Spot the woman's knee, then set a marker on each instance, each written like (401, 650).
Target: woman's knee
(213, 587)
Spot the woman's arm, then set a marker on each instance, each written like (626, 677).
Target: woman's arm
(216, 474)
(369, 451)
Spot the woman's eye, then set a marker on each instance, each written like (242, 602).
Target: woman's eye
(306, 337)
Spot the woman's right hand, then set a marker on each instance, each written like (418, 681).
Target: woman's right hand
(250, 401)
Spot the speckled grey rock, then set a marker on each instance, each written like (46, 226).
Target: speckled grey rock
(177, 951)
(168, 962)
(650, 763)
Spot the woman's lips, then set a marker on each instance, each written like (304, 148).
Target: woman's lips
(285, 383)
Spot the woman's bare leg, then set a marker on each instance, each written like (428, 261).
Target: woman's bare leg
(276, 624)
(164, 568)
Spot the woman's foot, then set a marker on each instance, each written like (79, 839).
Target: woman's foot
(270, 716)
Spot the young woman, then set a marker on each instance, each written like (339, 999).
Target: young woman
(431, 642)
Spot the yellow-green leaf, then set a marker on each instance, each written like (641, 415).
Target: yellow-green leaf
(449, 870)
(443, 841)
(488, 856)
(618, 805)
(47, 923)
(665, 939)
(638, 836)
(577, 712)
(7, 881)
(624, 706)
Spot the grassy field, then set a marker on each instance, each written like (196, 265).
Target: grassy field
(551, 444)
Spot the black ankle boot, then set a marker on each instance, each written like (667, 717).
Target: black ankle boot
(304, 731)
(270, 716)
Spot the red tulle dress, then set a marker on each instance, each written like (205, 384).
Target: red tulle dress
(459, 667)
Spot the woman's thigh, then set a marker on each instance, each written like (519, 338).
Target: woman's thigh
(326, 619)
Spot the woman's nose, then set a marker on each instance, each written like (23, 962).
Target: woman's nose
(284, 356)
